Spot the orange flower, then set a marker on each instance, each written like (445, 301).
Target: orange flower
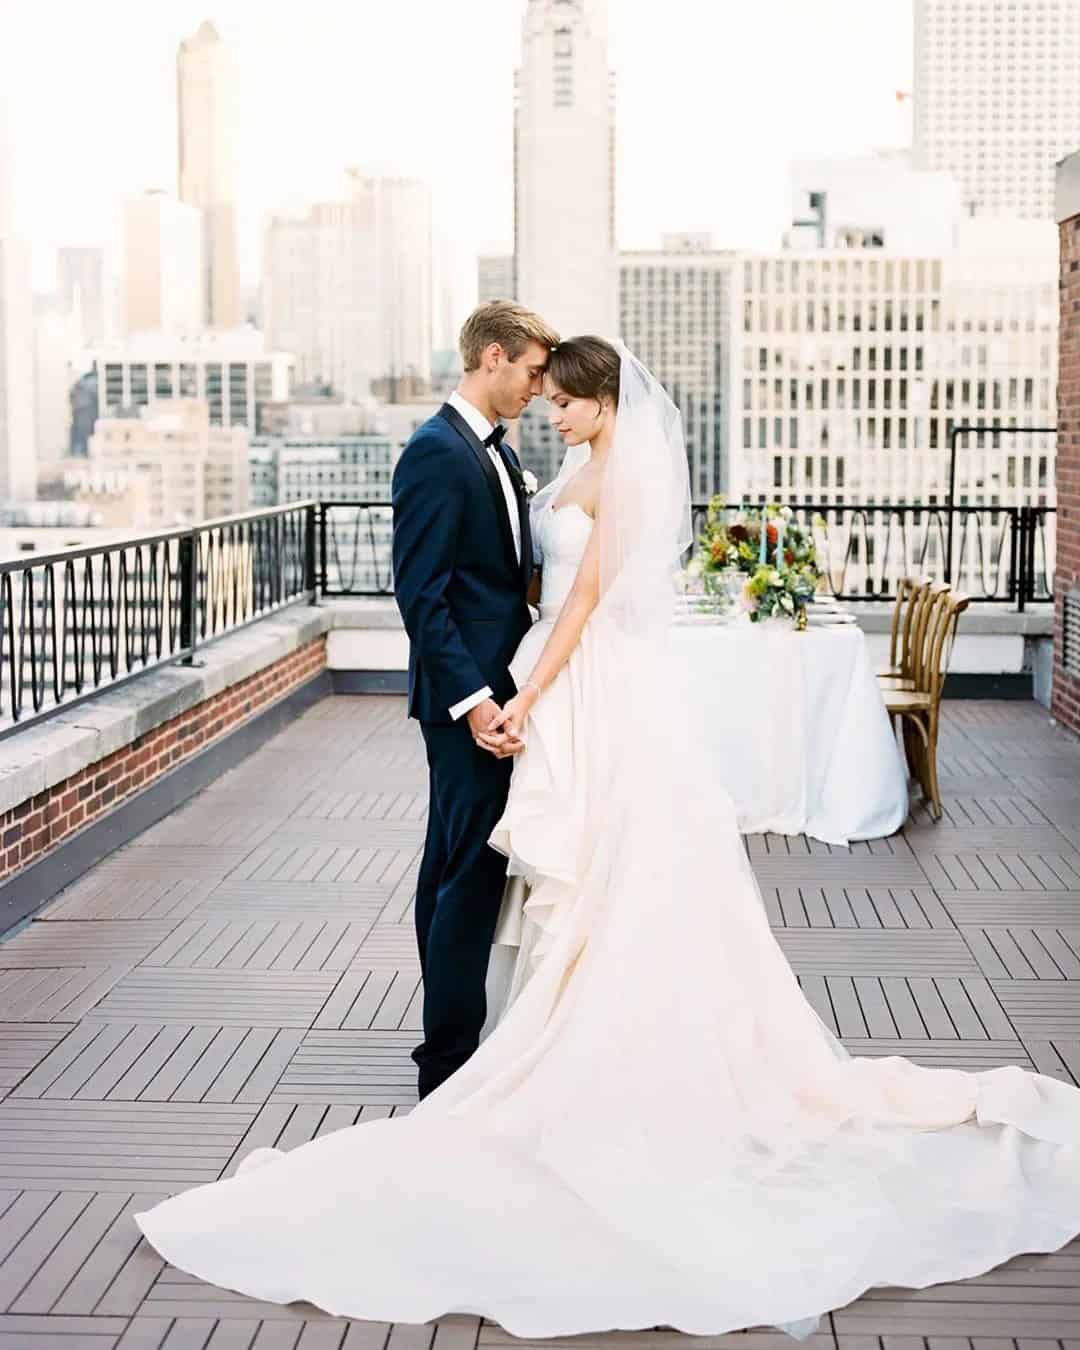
(771, 533)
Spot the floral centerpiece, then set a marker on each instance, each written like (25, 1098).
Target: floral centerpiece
(772, 553)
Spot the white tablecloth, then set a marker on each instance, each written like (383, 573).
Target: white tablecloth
(798, 725)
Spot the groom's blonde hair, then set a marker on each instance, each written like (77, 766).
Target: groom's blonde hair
(511, 325)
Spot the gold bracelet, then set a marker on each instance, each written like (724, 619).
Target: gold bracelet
(531, 684)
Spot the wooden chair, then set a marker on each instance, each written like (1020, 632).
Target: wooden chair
(907, 646)
(918, 708)
(903, 598)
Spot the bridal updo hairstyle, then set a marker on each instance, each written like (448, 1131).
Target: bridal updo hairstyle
(586, 367)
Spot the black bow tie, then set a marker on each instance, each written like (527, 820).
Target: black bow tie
(494, 437)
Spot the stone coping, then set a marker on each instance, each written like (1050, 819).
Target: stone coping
(42, 755)
(874, 617)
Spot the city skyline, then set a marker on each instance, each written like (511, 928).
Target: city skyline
(306, 102)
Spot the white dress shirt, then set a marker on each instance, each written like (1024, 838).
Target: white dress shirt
(482, 428)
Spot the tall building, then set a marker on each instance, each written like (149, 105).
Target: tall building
(495, 277)
(347, 286)
(162, 266)
(206, 123)
(233, 372)
(850, 369)
(18, 472)
(58, 363)
(997, 98)
(82, 287)
(18, 469)
(674, 314)
(564, 168)
(83, 398)
(190, 469)
(332, 469)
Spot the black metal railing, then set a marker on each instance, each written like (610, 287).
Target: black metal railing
(355, 548)
(1000, 554)
(86, 619)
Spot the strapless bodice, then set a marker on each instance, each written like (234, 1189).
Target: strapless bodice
(562, 537)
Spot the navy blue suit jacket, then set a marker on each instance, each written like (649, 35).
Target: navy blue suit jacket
(457, 579)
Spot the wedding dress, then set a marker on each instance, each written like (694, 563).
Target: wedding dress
(659, 1129)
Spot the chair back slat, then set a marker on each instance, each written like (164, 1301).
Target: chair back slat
(940, 653)
(927, 605)
(904, 592)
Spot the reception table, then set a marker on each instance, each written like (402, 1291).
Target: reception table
(798, 725)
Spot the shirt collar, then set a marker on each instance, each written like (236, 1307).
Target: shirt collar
(478, 423)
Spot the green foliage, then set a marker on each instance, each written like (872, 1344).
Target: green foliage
(779, 585)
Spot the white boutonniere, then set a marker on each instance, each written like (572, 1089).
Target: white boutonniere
(530, 481)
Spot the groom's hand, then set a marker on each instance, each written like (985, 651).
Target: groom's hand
(484, 721)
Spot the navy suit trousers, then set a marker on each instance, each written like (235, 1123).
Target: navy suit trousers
(458, 895)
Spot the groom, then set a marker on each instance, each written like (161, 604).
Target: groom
(462, 566)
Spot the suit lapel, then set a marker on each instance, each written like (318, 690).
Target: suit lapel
(491, 474)
(523, 517)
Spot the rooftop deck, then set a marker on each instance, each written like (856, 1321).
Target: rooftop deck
(244, 973)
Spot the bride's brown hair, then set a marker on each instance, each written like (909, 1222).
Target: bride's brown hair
(586, 367)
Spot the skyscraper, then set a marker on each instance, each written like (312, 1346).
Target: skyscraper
(564, 168)
(494, 277)
(162, 266)
(81, 286)
(997, 98)
(206, 126)
(59, 349)
(347, 286)
(851, 367)
(18, 471)
(675, 315)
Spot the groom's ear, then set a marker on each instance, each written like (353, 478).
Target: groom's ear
(490, 359)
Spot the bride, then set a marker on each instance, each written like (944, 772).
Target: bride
(658, 1130)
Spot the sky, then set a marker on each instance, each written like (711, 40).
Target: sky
(714, 99)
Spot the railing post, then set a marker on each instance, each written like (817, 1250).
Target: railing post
(952, 503)
(1016, 561)
(1023, 579)
(189, 583)
(311, 581)
(324, 574)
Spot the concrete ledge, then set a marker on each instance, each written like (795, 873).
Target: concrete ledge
(978, 621)
(38, 757)
(362, 612)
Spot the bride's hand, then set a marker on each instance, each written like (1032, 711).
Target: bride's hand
(516, 713)
(511, 723)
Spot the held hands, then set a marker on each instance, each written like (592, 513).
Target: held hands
(515, 714)
(500, 730)
(485, 724)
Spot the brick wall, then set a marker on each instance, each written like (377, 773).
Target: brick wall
(35, 826)
(1066, 698)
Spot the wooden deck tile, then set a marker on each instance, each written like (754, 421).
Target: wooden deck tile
(269, 998)
(245, 975)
